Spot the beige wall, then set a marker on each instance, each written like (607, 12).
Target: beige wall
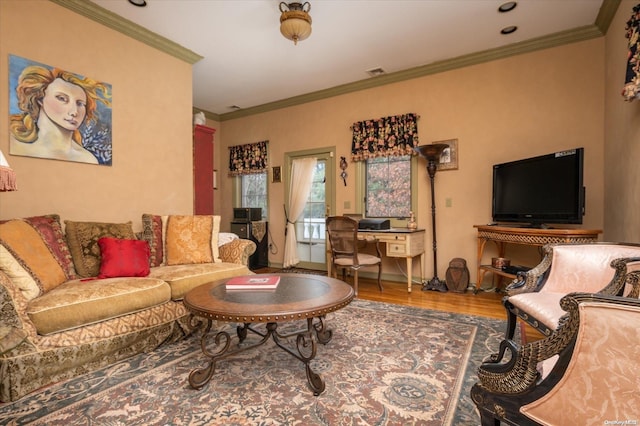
(622, 132)
(504, 110)
(152, 98)
(507, 109)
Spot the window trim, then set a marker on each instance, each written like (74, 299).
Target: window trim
(360, 173)
(237, 192)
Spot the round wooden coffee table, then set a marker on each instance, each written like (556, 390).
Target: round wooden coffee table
(297, 297)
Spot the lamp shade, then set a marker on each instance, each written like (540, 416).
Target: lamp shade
(432, 151)
(295, 22)
(7, 176)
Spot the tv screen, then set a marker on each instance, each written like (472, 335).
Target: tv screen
(540, 190)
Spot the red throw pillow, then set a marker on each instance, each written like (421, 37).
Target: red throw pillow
(123, 258)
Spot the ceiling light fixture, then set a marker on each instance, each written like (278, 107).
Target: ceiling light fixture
(295, 22)
(139, 3)
(508, 30)
(507, 7)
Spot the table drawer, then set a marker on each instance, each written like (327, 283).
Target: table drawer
(387, 238)
(394, 248)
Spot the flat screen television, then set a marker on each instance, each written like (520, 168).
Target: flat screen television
(542, 190)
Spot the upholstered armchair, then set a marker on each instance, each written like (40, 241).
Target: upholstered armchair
(534, 296)
(584, 373)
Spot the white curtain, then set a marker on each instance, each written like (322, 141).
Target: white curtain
(299, 188)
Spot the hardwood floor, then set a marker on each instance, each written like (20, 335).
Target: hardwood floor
(486, 304)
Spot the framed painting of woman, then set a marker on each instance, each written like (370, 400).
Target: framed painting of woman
(57, 114)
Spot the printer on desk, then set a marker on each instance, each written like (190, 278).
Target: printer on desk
(374, 224)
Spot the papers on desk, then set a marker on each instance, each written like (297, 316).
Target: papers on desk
(250, 282)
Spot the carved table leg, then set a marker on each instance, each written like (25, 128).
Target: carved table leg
(200, 377)
(305, 349)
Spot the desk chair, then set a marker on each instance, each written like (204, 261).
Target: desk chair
(343, 239)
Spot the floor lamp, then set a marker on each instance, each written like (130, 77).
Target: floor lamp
(432, 153)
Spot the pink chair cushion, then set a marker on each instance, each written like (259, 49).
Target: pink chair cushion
(584, 268)
(543, 306)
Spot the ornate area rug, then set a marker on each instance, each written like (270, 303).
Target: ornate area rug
(385, 365)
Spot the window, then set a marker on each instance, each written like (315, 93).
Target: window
(253, 190)
(387, 189)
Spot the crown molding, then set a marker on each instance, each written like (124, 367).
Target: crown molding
(124, 26)
(598, 29)
(606, 14)
(111, 20)
(553, 40)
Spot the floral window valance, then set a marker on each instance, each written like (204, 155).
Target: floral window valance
(248, 158)
(384, 137)
(631, 89)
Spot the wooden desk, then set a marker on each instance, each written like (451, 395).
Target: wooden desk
(502, 235)
(398, 242)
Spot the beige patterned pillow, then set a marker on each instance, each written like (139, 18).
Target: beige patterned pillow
(83, 237)
(153, 232)
(188, 239)
(27, 260)
(215, 237)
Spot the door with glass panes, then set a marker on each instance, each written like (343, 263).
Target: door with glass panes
(310, 227)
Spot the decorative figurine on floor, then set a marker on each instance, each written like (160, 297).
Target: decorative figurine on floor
(457, 276)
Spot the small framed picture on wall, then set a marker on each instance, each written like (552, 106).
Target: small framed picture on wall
(276, 177)
(449, 157)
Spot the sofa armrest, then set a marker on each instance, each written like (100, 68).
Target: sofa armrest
(13, 329)
(237, 251)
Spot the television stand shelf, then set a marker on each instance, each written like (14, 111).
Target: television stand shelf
(503, 235)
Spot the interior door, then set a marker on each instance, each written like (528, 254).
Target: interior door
(203, 170)
(310, 227)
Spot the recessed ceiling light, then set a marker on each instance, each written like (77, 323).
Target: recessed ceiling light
(508, 30)
(139, 3)
(507, 7)
(373, 72)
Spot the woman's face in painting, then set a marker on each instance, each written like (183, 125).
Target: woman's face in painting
(65, 104)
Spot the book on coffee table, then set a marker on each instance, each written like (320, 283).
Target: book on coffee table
(253, 283)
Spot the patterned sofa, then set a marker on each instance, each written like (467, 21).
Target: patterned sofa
(76, 300)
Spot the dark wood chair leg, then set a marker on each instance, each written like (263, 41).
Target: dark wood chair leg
(512, 320)
(379, 276)
(487, 420)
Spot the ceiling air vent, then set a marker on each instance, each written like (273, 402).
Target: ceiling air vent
(374, 72)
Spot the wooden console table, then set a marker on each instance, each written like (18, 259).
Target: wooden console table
(502, 235)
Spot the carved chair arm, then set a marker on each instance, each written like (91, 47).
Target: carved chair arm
(633, 278)
(533, 279)
(520, 373)
(617, 283)
(377, 244)
(363, 242)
